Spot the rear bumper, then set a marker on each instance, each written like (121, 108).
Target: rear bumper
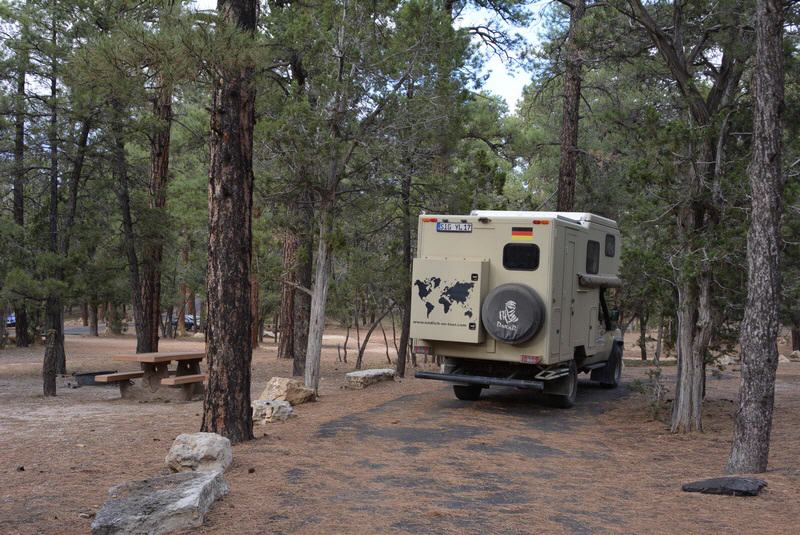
(481, 380)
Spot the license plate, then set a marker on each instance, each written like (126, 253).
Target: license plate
(453, 227)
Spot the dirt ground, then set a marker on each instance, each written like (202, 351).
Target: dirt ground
(402, 457)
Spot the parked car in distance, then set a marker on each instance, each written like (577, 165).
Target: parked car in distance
(11, 320)
(188, 321)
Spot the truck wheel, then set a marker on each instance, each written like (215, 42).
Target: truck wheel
(612, 372)
(563, 391)
(467, 392)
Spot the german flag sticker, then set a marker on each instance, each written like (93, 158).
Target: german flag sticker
(521, 233)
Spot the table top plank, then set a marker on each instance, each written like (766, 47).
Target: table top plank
(160, 358)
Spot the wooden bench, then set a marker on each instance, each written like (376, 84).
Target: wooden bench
(183, 379)
(117, 377)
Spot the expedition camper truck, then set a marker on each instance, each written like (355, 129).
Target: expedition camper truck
(517, 299)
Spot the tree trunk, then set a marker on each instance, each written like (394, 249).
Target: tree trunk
(659, 341)
(191, 309)
(316, 324)
(93, 328)
(346, 340)
(254, 310)
(153, 246)
(54, 347)
(643, 333)
(360, 358)
(120, 170)
(180, 329)
(3, 317)
(289, 280)
(407, 264)
(761, 326)
(302, 300)
(568, 168)
(386, 343)
(21, 313)
(84, 313)
(795, 338)
(694, 334)
(226, 407)
(54, 359)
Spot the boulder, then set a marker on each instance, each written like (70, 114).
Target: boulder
(794, 356)
(364, 378)
(200, 334)
(727, 360)
(267, 411)
(729, 486)
(199, 452)
(159, 505)
(286, 389)
(783, 359)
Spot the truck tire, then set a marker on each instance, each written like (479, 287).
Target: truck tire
(512, 313)
(467, 392)
(563, 391)
(610, 375)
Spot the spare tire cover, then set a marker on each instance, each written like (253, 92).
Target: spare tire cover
(512, 313)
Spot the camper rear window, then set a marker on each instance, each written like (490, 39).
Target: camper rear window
(611, 245)
(521, 256)
(592, 257)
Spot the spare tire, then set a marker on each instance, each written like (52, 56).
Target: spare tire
(512, 313)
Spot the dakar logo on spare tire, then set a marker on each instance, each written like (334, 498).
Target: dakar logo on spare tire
(507, 317)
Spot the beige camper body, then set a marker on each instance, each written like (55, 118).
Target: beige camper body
(566, 258)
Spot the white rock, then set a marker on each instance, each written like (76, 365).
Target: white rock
(364, 378)
(201, 452)
(267, 411)
(783, 359)
(727, 360)
(160, 504)
(200, 334)
(287, 389)
(794, 356)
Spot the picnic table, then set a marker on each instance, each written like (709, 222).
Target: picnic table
(158, 382)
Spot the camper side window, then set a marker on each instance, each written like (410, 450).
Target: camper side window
(521, 256)
(592, 257)
(611, 245)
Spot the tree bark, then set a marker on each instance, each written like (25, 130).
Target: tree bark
(795, 338)
(761, 326)
(659, 341)
(363, 348)
(289, 280)
(407, 265)
(93, 330)
(316, 326)
(643, 316)
(694, 334)
(302, 300)
(153, 246)
(226, 407)
(54, 359)
(568, 167)
(54, 347)
(3, 317)
(254, 310)
(21, 329)
(180, 328)
(120, 170)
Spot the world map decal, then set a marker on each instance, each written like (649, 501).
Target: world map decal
(449, 295)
